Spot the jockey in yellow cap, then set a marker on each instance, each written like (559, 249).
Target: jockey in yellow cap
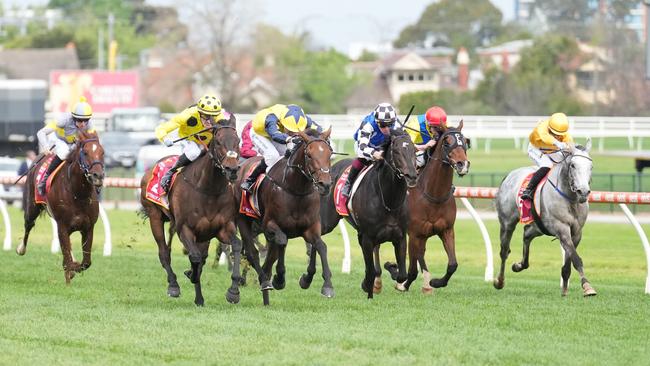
(207, 112)
(270, 138)
(62, 133)
(547, 139)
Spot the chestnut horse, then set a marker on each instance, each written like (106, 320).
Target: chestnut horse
(71, 200)
(379, 209)
(289, 205)
(432, 207)
(201, 207)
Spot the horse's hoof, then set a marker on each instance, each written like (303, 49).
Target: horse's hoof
(266, 285)
(377, 285)
(199, 302)
(327, 292)
(588, 290)
(69, 275)
(366, 289)
(517, 267)
(427, 290)
(438, 283)
(173, 291)
(498, 284)
(232, 296)
(399, 286)
(565, 292)
(278, 283)
(305, 281)
(21, 250)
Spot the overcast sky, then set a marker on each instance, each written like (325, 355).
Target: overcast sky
(336, 23)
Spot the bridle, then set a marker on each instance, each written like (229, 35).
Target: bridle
(391, 162)
(218, 160)
(304, 166)
(566, 155)
(447, 148)
(83, 161)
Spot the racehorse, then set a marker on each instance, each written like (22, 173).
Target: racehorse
(432, 208)
(289, 206)
(71, 200)
(563, 210)
(379, 209)
(201, 207)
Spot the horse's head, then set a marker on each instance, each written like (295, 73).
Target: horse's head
(224, 150)
(91, 157)
(454, 149)
(400, 156)
(579, 165)
(317, 154)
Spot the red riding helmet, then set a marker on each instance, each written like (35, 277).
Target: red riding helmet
(436, 116)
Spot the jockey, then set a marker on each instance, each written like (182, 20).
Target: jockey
(548, 137)
(246, 150)
(269, 135)
(206, 113)
(65, 132)
(369, 141)
(425, 131)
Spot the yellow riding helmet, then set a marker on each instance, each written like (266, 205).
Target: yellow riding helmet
(82, 110)
(559, 124)
(209, 105)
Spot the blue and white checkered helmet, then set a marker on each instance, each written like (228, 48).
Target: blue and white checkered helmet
(385, 114)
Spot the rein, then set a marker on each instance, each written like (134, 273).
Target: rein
(555, 185)
(459, 140)
(302, 168)
(398, 173)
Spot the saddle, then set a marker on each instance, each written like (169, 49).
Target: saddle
(155, 193)
(39, 178)
(528, 210)
(340, 201)
(249, 204)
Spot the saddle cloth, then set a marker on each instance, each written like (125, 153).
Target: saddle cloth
(524, 206)
(340, 201)
(39, 178)
(249, 205)
(155, 193)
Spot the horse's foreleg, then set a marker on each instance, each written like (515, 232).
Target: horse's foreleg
(69, 265)
(505, 236)
(228, 235)
(367, 249)
(449, 242)
(416, 250)
(400, 256)
(318, 245)
(530, 233)
(376, 285)
(306, 278)
(252, 255)
(570, 250)
(279, 280)
(164, 250)
(86, 247)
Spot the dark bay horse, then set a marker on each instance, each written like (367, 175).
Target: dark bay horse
(563, 211)
(201, 207)
(289, 205)
(379, 208)
(71, 200)
(432, 207)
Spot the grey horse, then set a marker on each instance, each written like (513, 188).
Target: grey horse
(563, 208)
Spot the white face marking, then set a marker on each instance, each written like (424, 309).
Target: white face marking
(320, 148)
(94, 147)
(404, 144)
(231, 154)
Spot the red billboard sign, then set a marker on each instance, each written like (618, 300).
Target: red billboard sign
(104, 90)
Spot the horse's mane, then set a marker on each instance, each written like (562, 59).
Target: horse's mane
(312, 132)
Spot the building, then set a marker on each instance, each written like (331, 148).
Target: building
(586, 75)
(36, 63)
(503, 56)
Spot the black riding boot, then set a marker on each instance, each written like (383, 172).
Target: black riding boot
(53, 165)
(166, 180)
(347, 187)
(534, 181)
(247, 185)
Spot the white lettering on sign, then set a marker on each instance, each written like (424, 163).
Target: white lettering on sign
(112, 94)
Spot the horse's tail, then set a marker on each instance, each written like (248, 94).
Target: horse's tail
(143, 213)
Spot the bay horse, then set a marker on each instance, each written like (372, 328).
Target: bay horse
(201, 207)
(432, 207)
(379, 209)
(563, 210)
(71, 201)
(289, 205)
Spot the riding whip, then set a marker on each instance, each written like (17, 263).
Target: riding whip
(32, 166)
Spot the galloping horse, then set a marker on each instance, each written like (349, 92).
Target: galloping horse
(289, 206)
(71, 200)
(432, 207)
(563, 210)
(201, 207)
(379, 210)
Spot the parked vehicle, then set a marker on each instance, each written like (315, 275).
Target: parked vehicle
(148, 155)
(9, 168)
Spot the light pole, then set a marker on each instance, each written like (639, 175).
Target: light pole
(646, 3)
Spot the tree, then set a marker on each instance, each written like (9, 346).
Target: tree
(453, 102)
(467, 23)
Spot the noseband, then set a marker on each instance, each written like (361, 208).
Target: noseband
(216, 159)
(391, 162)
(459, 140)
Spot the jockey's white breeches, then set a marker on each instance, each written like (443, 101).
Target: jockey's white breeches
(61, 148)
(541, 159)
(271, 151)
(191, 149)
